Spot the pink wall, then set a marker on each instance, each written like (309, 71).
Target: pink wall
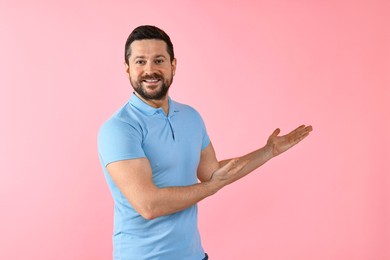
(248, 67)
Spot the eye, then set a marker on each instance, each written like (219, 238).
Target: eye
(140, 62)
(159, 61)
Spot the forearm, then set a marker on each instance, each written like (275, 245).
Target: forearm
(165, 201)
(134, 179)
(255, 159)
(275, 146)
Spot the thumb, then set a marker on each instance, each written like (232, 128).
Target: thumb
(230, 164)
(235, 165)
(276, 132)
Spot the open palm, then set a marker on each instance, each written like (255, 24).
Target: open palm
(280, 144)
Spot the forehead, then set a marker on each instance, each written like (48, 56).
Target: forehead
(149, 47)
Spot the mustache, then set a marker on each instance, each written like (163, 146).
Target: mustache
(152, 76)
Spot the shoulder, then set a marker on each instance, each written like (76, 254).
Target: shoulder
(120, 138)
(189, 116)
(186, 109)
(121, 122)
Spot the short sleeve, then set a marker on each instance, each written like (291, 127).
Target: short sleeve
(205, 136)
(118, 141)
(205, 140)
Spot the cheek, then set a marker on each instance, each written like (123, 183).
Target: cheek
(168, 72)
(134, 74)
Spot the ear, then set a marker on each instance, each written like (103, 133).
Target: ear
(174, 62)
(127, 67)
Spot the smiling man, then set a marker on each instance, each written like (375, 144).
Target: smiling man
(158, 159)
(151, 80)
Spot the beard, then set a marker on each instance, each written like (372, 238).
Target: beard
(159, 93)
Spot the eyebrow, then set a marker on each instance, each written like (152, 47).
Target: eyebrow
(161, 56)
(143, 57)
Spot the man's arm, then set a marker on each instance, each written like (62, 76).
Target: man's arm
(275, 146)
(134, 177)
(134, 180)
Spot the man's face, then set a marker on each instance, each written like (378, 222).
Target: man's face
(150, 69)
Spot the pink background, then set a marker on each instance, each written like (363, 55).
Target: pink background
(248, 67)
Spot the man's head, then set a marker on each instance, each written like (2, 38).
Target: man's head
(150, 63)
(148, 32)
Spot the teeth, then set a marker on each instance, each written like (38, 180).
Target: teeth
(151, 80)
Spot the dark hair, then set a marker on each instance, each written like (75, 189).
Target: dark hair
(145, 32)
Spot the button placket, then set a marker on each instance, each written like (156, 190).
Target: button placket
(172, 129)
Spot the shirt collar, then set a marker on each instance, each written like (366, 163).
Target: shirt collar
(149, 110)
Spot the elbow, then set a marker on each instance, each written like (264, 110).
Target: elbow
(148, 212)
(148, 207)
(148, 215)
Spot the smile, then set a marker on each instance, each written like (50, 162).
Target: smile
(151, 80)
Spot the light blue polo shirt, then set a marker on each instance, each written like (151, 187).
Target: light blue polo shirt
(172, 145)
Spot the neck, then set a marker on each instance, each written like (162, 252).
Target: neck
(161, 103)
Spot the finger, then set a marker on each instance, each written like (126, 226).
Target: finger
(299, 128)
(276, 132)
(301, 137)
(239, 166)
(308, 128)
(305, 130)
(230, 164)
(235, 165)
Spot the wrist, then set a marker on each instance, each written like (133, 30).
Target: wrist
(268, 152)
(212, 186)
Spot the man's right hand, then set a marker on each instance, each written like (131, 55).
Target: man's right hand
(228, 172)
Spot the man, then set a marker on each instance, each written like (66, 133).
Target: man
(153, 152)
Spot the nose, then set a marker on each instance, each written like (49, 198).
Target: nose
(149, 68)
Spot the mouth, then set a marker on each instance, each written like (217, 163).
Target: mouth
(151, 81)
